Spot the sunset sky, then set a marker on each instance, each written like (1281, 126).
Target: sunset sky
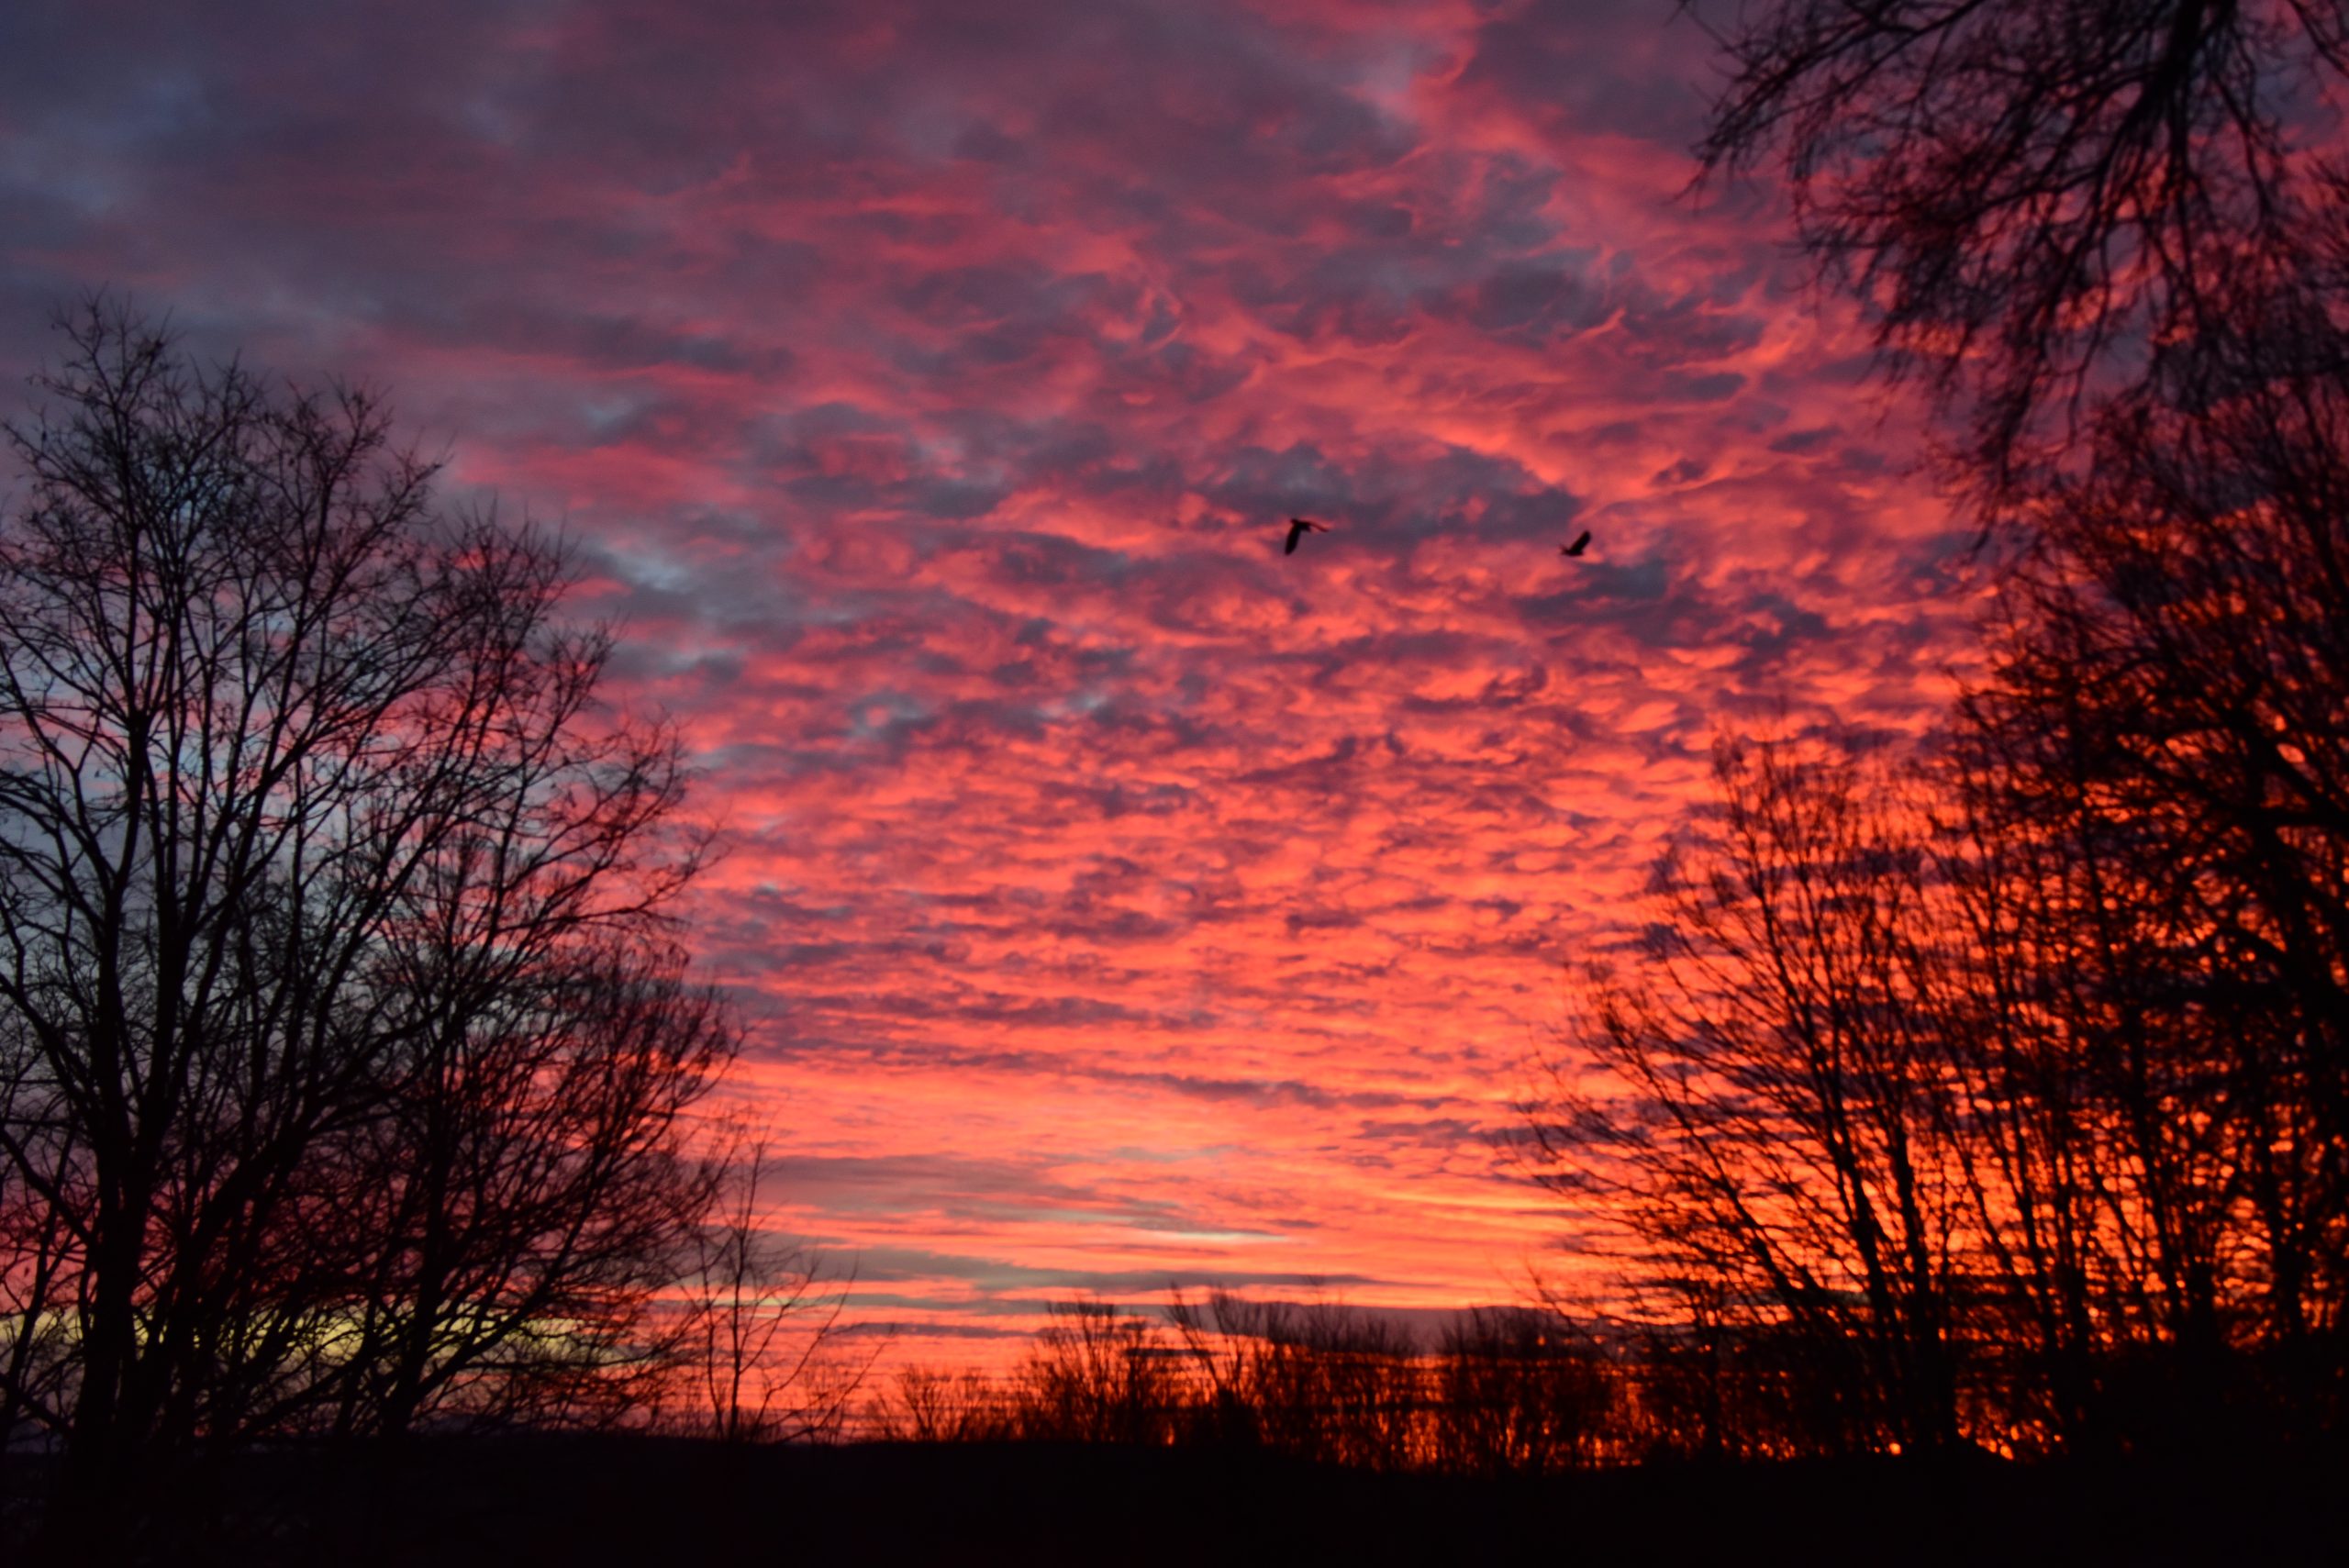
(1112, 900)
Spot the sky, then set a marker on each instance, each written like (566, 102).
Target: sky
(1112, 901)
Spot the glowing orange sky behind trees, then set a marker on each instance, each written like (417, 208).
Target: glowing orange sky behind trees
(1112, 900)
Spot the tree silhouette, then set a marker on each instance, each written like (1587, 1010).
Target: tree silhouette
(1993, 1101)
(1772, 1128)
(2008, 1104)
(342, 1046)
(2041, 201)
(759, 1320)
(1094, 1374)
(1519, 1391)
(2169, 704)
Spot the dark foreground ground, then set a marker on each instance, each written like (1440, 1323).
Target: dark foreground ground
(653, 1502)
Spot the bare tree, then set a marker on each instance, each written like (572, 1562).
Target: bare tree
(37, 1278)
(2001, 1113)
(929, 1405)
(1334, 1385)
(529, 1197)
(2040, 199)
(1316, 1380)
(1097, 1374)
(758, 1331)
(2116, 237)
(343, 1045)
(2167, 707)
(1770, 1130)
(1520, 1391)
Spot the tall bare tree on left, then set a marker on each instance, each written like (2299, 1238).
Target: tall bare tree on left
(346, 1044)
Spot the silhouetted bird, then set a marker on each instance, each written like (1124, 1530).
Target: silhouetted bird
(1579, 545)
(1298, 528)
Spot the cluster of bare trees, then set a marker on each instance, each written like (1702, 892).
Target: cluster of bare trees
(1504, 1391)
(1919, 1125)
(2000, 1094)
(348, 1055)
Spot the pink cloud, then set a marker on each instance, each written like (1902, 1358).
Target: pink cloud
(1115, 898)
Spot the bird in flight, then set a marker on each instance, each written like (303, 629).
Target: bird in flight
(1298, 528)
(1580, 544)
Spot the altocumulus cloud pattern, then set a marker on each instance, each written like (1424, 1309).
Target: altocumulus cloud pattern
(927, 387)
